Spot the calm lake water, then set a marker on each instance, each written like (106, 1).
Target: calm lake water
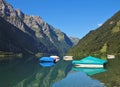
(28, 72)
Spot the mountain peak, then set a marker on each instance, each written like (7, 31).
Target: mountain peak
(19, 13)
(6, 9)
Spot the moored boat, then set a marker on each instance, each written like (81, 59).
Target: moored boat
(47, 59)
(90, 62)
(56, 58)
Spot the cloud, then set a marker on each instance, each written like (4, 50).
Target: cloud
(100, 25)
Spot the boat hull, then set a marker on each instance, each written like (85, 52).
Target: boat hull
(89, 65)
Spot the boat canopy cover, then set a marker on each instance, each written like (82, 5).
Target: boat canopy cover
(89, 60)
(47, 59)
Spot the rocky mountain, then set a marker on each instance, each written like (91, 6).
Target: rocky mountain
(14, 40)
(53, 39)
(75, 40)
(100, 42)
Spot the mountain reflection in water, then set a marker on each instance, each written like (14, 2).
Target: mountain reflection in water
(27, 72)
(77, 79)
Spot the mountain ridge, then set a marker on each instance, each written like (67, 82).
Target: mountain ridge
(56, 41)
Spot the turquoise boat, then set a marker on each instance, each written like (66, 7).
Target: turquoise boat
(90, 62)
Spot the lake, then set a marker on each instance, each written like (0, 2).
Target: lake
(28, 72)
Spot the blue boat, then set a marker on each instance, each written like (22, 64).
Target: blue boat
(47, 59)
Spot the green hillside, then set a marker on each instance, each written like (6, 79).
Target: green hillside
(99, 42)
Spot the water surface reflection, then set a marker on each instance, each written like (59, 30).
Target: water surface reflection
(90, 71)
(47, 64)
(77, 79)
(27, 72)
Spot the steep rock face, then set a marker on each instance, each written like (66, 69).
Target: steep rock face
(75, 40)
(14, 40)
(11, 15)
(102, 41)
(35, 27)
(6, 9)
(48, 34)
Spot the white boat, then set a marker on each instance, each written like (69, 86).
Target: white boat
(56, 58)
(67, 58)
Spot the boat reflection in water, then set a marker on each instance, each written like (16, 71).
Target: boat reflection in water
(47, 61)
(47, 64)
(90, 71)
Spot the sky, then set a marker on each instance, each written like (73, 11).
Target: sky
(73, 17)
